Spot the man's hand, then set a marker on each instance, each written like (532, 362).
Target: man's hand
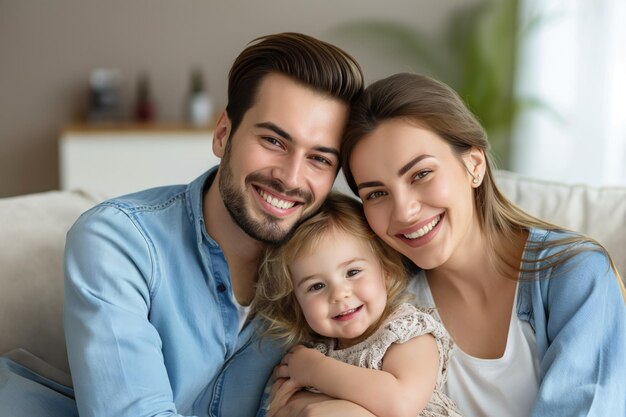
(307, 404)
(282, 391)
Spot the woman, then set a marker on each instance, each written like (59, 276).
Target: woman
(537, 313)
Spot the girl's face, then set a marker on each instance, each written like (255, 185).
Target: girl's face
(417, 194)
(341, 288)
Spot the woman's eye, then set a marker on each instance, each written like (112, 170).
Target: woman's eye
(374, 195)
(421, 174)
(317, 286)
(352, 272)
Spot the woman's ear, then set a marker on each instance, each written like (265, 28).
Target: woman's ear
(476, 165)
(221, 134)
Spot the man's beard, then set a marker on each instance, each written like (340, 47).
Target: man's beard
(268, 230)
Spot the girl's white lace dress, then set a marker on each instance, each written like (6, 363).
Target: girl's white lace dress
(405, 323)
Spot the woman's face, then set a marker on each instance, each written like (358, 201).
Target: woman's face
(416, 192)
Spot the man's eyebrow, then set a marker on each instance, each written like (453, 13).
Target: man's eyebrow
(411, 163)
(326, 149)
(271, 126)
(282, 133)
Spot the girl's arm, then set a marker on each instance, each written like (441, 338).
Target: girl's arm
(402, 388)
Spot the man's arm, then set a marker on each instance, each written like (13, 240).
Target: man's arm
(402, 388)
(114, 351)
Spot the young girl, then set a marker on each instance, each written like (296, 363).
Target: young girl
(336, 286)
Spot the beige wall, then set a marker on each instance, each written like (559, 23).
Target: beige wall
(47, 49)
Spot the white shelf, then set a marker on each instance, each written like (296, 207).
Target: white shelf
(119, 160)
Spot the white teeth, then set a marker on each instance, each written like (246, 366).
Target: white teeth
(345, 313)
(281, 204)
(421, 232)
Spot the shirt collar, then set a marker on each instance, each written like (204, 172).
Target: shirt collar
(195, 202)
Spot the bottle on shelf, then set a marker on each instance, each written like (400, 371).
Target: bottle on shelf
(104, 98)
(144, 109)
(199, 106)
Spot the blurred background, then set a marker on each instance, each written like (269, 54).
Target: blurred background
(547, 78)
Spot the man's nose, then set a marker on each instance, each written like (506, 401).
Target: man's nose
(290, 172)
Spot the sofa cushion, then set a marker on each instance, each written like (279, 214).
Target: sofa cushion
(598, 212)
(31, 271)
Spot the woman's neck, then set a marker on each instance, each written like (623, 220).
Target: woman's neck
(473, 271)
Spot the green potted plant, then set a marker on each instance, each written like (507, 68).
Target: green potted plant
(475, 54)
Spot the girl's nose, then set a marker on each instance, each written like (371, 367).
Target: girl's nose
(340, 292)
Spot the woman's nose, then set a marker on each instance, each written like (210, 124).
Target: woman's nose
(406, 207)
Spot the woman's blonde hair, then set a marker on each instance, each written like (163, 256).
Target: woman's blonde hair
(433, 105)
(275, 300)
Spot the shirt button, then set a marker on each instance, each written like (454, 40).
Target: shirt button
(221, 288)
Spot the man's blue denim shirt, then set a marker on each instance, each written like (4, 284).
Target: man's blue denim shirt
(150, 323)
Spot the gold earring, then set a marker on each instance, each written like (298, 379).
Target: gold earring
(476, 179)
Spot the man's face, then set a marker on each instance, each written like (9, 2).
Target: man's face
(281, 162)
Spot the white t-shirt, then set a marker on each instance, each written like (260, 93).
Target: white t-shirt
(242, 311)
(506, 386)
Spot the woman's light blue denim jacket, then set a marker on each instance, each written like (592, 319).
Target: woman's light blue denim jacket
(579, 317)
(150, 323)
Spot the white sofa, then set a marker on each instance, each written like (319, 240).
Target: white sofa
(32, 237)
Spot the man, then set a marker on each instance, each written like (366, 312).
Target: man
(158, 282)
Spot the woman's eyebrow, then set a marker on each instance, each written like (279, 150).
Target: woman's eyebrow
(369, 184)
(401, 172)
(411, 163)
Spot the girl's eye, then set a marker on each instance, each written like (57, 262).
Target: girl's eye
(317, 286)
(374, 195)
(352, 272)
(421, 174)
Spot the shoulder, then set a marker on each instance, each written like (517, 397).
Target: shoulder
(148, 200)
(555, 252)
(408, 321)
(570, 273)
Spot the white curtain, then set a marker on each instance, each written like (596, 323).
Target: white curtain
(574, 63)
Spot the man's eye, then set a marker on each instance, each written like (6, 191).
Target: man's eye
(273, 141)
(317, 286)
(322, 160)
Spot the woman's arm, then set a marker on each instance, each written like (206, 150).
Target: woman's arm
(402, 388)
(580, 321)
